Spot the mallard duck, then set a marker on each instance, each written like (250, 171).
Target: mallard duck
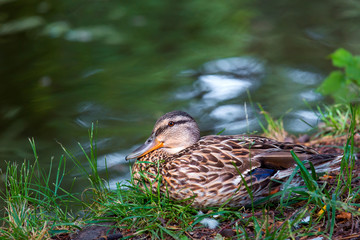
(211, 170)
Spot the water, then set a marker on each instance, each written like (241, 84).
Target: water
(66, 64)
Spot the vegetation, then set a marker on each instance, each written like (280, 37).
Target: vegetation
(35, 207)
(343, 85)
(275, 127)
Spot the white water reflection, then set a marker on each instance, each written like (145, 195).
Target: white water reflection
(228, 113)
(219, 92)
(118, 180)
(245, 126)
(222, 80)
(117, 167)
(310, 96)
(236, 65)
(111, 160)
(304, 77)
(215, 88)
(234, 119)
(186, 93)
(220, 87)
(302, 121)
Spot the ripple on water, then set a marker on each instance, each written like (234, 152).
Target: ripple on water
(223, 79)
(304, 77)
(244, 66)
(222, 87)
(311, 96)
(235, 119)
(228, 113)
(302, 121)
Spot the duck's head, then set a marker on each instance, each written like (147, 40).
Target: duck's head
(172, 132)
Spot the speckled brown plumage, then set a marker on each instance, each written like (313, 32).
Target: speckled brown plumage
(212, 169)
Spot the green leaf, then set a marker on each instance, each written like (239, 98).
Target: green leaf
(332, 83)
(353, 72)
(344, 95)
(342, 58)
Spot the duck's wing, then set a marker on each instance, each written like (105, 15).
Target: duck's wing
(214, 162)
(219, 168)
(246, 153)
(216, 168)
(221, 152)
(213, 169)
(276, 155)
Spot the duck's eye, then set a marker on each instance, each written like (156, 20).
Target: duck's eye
(171, 123)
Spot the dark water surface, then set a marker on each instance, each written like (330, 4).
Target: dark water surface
(66, 64)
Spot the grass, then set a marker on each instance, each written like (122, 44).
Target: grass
(337, 119)
(275, 128)
(37, 208)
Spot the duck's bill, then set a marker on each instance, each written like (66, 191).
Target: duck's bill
(150, 145)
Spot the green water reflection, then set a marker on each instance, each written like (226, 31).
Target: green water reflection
(65, 64)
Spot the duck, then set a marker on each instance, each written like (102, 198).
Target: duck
(217, 170)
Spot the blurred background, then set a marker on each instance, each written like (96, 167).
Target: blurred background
(65, 64)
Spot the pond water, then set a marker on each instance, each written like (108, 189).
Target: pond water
(67, 64)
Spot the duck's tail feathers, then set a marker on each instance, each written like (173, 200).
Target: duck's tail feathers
(323, 163)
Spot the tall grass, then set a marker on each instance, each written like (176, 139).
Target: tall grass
(275, 127)
(337, 119)
(35, 207)
(99, 187)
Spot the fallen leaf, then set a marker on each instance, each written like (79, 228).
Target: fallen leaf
(173, 227)
(344, 216)
(322, 210)
(276, 225)
(326, 177)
